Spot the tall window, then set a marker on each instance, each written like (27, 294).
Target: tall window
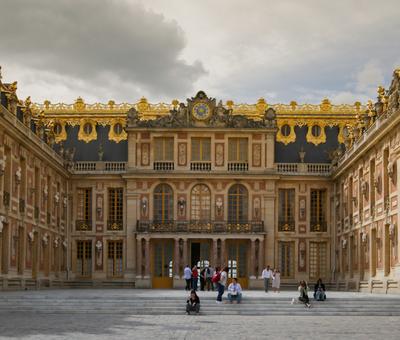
(238, 150)
(318, 260)
(84, 258)
(201, 149)
(318, 207)
(163, 149)
(163, 203)
(286, 259)
(286, 210)
(115, 208)
(84, 214)
(237, 203)
(201, 203)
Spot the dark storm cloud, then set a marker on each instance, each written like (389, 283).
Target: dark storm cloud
(95, 40)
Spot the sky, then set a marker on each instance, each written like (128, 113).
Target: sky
(232, 49)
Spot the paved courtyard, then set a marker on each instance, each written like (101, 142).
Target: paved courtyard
(31, 325)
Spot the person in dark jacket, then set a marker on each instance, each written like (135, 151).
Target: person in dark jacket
(319, 291)
(193, 303)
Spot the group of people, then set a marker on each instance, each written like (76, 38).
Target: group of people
(192, 275)
(273, 276)
(218, 279)
(319, 293)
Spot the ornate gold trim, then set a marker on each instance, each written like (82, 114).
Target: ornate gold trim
(316, 139)
(62, 136)
(87, 137)
(115, 137)
(286, 139)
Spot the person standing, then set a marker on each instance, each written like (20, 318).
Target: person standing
(187, 274)
(195, 278)
(222, 283)
(209, 274)
(266, 275)
(202, 278)
(276, 281)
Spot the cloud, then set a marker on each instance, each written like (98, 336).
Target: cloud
(97, 44)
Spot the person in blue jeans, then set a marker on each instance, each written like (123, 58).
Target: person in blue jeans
(222, 283)
(235, 291)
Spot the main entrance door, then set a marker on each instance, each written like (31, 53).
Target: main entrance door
(238, 261)
(162, 264)
(200, 253)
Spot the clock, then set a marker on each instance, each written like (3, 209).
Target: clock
(201, 111)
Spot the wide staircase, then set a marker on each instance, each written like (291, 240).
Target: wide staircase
(129, 302)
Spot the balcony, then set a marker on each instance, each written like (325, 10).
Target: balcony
(286, 225)
(163, 166)
(99, 167)
(22, 206)
(208, 227)
(114, 225)
(200, 166)
(238, 166)
(83, 225)
(319, 169)
(318, 226)
(6, 198)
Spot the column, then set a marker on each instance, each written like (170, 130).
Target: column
(185, 253)
(223, 259)
(260, 257)
(269, 225)
(130, 223)
(176, 258)
(139, 257)
(147, 258)
(350, 246)
(270, 150)
(131, 150)
(215, 253)
(252, 258)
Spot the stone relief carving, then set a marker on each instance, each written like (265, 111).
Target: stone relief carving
(219, 154)
(257, 154)
(182, 154)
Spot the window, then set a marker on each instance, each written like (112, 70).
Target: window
(316, 130)
(163, 203)
(238, 150)
(285, 130)
(286, 210)
(201, 149)
(118, 128)
(84, 214)
(88, 128)
(237, 203)
(84, 258)
(200, 203)
(115, 259)
(318, 204)
(318, 260)
(115, 208)
(286, 259)
(163, 149)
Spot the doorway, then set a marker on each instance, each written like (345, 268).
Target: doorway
(162, 264)
(238, 261)
(200, 254)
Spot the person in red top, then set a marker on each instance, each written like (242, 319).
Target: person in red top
(195, 278)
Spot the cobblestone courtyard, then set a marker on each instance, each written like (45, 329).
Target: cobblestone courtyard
(100, 326)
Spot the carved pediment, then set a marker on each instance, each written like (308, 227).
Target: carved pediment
(202, 111)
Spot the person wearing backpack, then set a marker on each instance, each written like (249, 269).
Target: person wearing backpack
(223, 277)
(209, 274)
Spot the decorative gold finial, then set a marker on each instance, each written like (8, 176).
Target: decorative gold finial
(293, 105)
(111, 104)
(79, 104)
(143, 105)
(46, 104)
(325, 105)
(261, 105)
(175, 103)
(229, 104)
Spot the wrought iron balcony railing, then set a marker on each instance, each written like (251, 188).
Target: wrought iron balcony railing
(286, 225)
(319, 226)
(231, 227)
(83, 225)
(114, 225)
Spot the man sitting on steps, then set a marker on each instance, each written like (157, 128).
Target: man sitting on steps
(234, 291)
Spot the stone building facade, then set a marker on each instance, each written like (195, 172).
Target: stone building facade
(131, 193)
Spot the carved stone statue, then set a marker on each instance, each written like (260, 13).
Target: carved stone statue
(132, 117)
(394, 93)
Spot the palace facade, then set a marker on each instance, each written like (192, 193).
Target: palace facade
(131, 193)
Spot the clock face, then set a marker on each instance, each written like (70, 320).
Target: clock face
(201, 111)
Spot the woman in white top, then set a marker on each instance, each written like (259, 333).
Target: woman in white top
(276, 280)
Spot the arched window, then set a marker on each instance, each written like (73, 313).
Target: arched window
(237, 203)
(163, 203)
(200, 203)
